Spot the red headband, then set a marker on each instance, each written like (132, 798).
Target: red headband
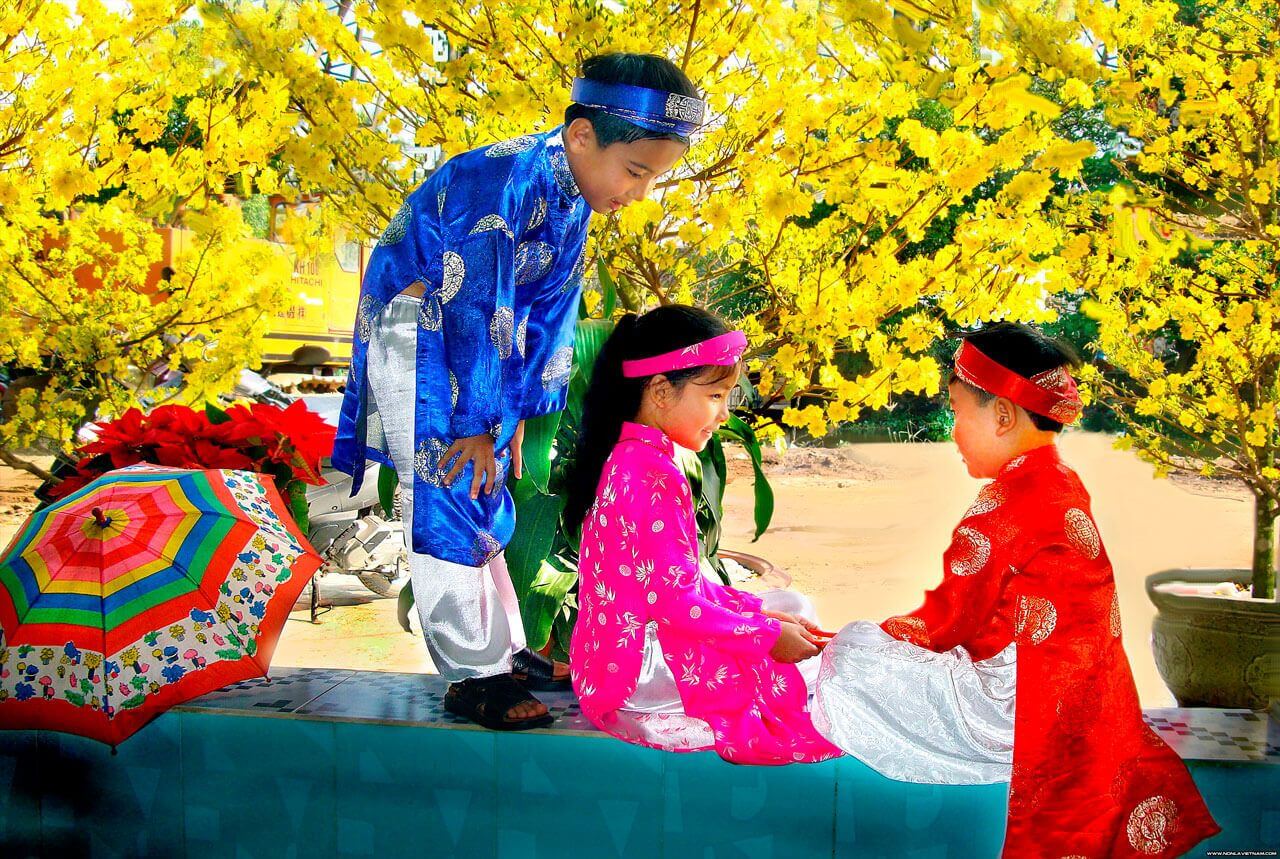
(1051, 394)
(723, 351)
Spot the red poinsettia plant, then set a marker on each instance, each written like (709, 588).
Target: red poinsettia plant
(286, 444)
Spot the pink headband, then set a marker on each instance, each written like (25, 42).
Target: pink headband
(1051, 393)
(723, 351)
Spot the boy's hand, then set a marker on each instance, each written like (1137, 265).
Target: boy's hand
(477, 449)
(517, 451)
(793, 645)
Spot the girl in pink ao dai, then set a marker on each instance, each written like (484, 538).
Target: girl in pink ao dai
(663, 656)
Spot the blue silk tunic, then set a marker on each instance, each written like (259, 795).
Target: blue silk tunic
(496, 236)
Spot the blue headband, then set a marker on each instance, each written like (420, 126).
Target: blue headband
(652, 109)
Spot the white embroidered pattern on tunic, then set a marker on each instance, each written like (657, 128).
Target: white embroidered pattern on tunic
(555, 375)
(989, 498)
(492, 222)
(426, 462)
(455, 270)
(1081, 533)
(972, 551)
(501, 331)
(574, 280)
(511, 147)
(563, 174)
(539, 215)
(1115, 615)
(1151, 824)
(397, 227)
(429, 315)
(370, 307)
(533, 260)
(1036, 619)
(522, 335)
(485, 547)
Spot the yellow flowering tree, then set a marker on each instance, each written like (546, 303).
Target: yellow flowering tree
(114, 124)
(1185, 256)
(808, 193)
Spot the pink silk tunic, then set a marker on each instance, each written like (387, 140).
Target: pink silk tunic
(639, 566)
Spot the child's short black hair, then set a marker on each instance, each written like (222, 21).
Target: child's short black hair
(646, 70)
(1026, 351)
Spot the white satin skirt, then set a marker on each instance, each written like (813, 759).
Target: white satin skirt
(913, 714)
(654, 713)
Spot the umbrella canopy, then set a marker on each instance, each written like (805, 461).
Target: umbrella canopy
(144, 589)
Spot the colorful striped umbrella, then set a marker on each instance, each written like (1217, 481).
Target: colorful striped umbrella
(144, 589)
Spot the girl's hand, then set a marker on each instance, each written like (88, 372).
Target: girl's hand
(477, 449)
(816, 633)
(793, 645)
(517, 451)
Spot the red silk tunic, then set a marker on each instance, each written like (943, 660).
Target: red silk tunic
(1090, 779)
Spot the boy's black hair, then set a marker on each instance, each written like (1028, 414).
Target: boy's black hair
(646, 70)
(1026, 351)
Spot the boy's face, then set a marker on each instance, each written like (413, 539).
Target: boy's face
(619, 174)
(977, 432)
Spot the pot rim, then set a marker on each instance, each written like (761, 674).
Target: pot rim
(1207, 603)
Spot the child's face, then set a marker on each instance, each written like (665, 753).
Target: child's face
(690, 415)
(619, 174)
(977, 432)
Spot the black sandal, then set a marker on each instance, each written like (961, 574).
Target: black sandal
(534, 671)
(487, 700)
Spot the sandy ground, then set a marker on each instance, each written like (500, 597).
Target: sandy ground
(861, 530)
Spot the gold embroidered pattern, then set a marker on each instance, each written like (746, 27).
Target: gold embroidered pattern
(1036, 619)
(1081, 533)
(1151, 824)
(972, 551)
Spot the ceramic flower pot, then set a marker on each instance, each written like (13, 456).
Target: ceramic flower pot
(1216, 651)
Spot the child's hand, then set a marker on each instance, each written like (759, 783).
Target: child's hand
(517, 451)
(793, 645)
(477, 449)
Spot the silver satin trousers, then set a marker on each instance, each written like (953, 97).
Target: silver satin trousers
(470, 615)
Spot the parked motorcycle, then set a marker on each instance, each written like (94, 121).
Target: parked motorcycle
(348, 531)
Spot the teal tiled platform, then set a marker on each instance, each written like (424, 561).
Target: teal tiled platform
(323, 763)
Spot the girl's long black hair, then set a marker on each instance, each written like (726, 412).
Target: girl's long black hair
(612, 398)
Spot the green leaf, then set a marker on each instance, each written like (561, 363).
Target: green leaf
(298, 504)
(740, 431)
(608, 289)
(711, 504)
(228, 654)
(582, 307)
(537, 520)
(388, 480)
(588, 340)
(541, 604)
(216, 415)
(404, 605)
(539, 435)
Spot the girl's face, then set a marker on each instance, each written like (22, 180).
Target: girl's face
(690, 414)
(617, 175)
